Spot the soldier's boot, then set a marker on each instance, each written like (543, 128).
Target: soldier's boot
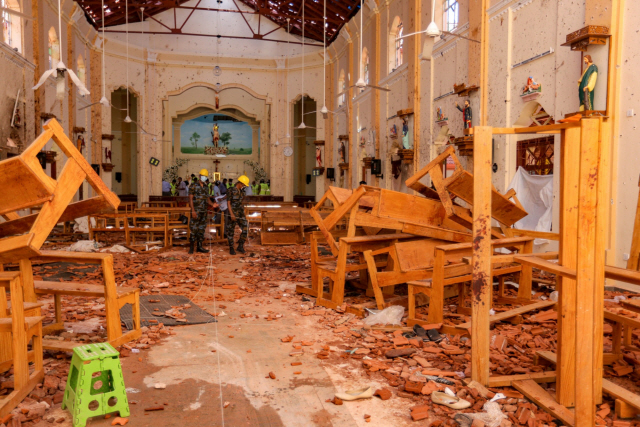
(201, 249)
(191, 244)
(231, 250)
(241, 247)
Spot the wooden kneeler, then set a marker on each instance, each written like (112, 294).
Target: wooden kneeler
(16, 330)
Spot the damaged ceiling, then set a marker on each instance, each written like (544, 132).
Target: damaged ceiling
(338, 13)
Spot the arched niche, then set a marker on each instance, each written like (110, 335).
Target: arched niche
(236, 101)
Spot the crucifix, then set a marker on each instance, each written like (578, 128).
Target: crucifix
(216, 163)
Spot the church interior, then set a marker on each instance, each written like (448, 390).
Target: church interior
(346, 213)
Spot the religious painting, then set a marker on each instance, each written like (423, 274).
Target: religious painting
(216, 132)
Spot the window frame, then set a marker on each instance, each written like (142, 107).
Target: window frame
(450, 8)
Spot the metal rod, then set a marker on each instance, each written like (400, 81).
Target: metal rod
(533, 58)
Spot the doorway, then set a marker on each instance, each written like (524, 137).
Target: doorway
(124, 147)
(304, 151)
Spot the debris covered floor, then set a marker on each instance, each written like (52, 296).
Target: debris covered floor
(277, 360)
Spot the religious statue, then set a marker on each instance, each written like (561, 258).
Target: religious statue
(107, 155)
(405, 133)
(319, 156)
(216, 135)
(80, 143)
(531, 86)
(440, 115)
(587, 84)
(342, 152)
(17, 120)
(466, 114)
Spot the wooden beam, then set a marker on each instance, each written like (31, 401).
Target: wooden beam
(484, 64)
(482, 280)
(569, 169)
(586, 271)
(545, 401)
(507, 380)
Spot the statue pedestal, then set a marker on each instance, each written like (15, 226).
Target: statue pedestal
(216, 150)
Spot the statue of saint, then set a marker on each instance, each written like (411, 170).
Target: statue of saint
(342, 153)
(405, 133)
(319, 156)
(587, 84)
(466, 114)
(216, 135)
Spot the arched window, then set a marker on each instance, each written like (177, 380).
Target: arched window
(54, 48)
(82, 71)
(342, 87)
(450, 17)
(11, 24)
(399, 46)
(396, 45)
(365, 65)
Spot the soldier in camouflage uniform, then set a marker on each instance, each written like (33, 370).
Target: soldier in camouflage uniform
(235, 195)
(198, 201)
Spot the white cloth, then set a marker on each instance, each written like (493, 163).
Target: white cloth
(220, 199)
(535, 193)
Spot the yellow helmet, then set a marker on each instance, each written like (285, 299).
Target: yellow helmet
(204, 172)
(244, 179)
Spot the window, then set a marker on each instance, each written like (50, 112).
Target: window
(54, 48)
(536, 155)
(342, 87)
(395, 44)
(365, 65)
(11, 24)
(450, 19)
(399, 46)
(82, 71)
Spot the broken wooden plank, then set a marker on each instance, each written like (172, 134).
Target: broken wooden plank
(512, 313)
(544, 400)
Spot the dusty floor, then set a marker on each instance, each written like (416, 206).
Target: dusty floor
(218, 374)
(205, 366)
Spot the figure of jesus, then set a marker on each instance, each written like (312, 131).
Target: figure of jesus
(216, 135)
(319, 156)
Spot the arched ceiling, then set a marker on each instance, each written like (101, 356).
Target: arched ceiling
(277, 11)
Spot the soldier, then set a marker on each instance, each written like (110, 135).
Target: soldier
(235, 195)
(198, 200)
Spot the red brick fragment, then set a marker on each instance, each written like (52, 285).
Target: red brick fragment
(383, 394)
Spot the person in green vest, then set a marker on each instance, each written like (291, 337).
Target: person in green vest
(255, 188)
(263, 188)
(587, 84)
(268, 187)
(174, 188)
(210, 186)
(230, 183)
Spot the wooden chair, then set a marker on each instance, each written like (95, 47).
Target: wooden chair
(25, 185)
(20, 323)
(115, 296)
(148, 224)
(460, 184)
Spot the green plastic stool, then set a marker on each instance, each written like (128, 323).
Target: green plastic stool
(95, 385)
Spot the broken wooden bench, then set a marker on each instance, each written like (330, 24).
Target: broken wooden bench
(115, 296)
